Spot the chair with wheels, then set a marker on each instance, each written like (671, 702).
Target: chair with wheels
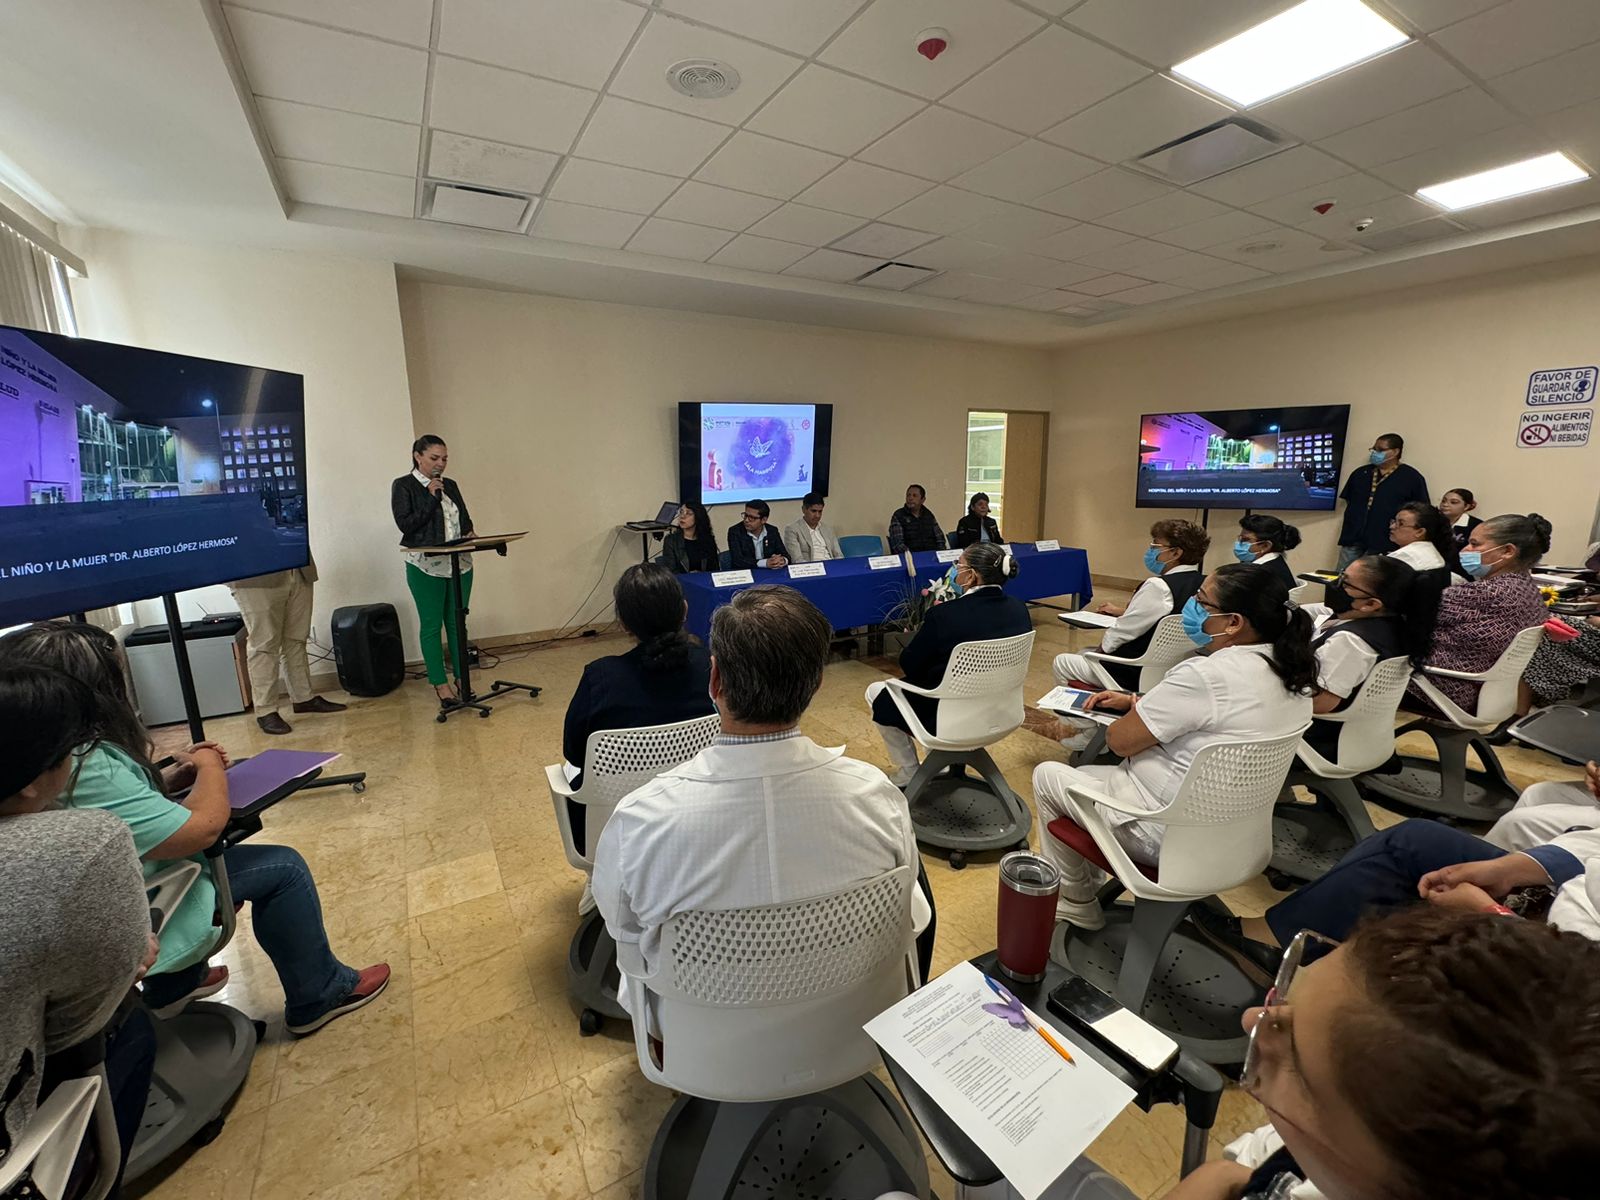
(754, 1015)
(76, 1112)
(1308, 839)
(1447, 787)
(861, 545)
(1218, 835)
(616, 762)
(980, 702)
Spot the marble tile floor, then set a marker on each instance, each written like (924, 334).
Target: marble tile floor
(469, 1077)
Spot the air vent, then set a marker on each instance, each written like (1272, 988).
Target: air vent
(481, 208)
(703, 78)
(895, 277)
(1206, 153)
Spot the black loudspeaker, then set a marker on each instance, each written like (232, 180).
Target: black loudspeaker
(367, 650)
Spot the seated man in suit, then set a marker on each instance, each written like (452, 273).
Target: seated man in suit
(807, 537)
(753, 543)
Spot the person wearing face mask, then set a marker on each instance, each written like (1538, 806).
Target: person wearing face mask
(1264, 540)
(1478, 620)
(1372, 495)
(983, 612)
(1457, 505)
(1252, 680)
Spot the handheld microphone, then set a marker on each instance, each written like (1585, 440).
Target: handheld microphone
(437, 472)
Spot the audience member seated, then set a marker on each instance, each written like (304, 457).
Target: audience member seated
(661, 681)
(1386, 615)
(914, 527)
(1252, 680)
(753, 543)
(764, 815)
(75, 926)
(114, 772)
(1559, 667)
(807, 537)
(977, 525)
(1456, 506)
(691, 544)
(1176, 550)
(1423, 537)
(1264, 540)
(1477, 620)
(981, 612)
(1433, 1056)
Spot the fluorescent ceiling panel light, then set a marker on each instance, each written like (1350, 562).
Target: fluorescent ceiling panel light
(1310, 41)
(1516, 179)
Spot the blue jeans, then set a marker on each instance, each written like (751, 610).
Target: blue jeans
(1379, 874)
(286, 914)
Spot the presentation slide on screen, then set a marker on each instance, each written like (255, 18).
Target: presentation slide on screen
(127, 473)
(1272, 458)
(756, 451)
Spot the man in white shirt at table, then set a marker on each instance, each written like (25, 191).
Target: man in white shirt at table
(763, 815)
(807, 537)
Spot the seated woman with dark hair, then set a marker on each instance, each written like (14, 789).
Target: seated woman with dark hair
(691, 543)
(1456, 507)
(1423, 537)
(977, 525)
(1264, 540)
(114, 773)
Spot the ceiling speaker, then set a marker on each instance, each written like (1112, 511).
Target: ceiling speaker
(703, 78)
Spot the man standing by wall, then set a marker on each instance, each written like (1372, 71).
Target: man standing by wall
(1373, 495)
(277, 619)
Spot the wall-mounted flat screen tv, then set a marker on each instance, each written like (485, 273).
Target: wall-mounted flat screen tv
(1269, 458)
(734, 453)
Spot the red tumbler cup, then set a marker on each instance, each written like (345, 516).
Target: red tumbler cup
(1026, 918)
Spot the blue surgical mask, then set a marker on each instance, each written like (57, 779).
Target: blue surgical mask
(1472, 563)
(950, 577)
(1378, 457)
(1194, 619)
(1152, 559)
(1242, 551)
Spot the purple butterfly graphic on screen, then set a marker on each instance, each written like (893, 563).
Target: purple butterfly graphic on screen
(1010, 1012)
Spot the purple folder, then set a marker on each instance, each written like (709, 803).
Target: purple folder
(262, 774)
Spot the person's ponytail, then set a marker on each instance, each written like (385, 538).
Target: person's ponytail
(1261, 598)
(1292, 656)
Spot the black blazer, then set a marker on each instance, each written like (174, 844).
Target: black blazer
(1462, 532)
(742, 553)
(419, 515)
(1281, 568)
(967, 531)
(682, 556)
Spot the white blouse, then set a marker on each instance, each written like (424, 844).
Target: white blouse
(438, 565)
(1419, 556)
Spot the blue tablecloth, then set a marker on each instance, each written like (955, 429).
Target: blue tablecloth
(851, 594)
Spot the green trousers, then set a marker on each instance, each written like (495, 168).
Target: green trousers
(435, 607)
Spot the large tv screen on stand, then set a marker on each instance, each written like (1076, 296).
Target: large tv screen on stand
(1268, 458)
(734, 453)
(129, 473)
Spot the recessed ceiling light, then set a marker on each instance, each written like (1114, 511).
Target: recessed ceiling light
(1310, 41)
(1515, 179)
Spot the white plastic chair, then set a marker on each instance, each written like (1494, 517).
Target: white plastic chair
(49, 1145)
(1303, 593)
(1169, 646)
(166, 889)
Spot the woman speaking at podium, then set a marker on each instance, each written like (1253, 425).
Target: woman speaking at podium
(429, 511)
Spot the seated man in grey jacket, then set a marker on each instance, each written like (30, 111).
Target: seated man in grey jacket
(808, 538)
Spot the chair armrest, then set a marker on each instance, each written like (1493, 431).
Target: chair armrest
(900, 685)
(1452, 711)
(560, 792)
(1114, 659)
(1472, 676)
(1097, 796)
(557, 779)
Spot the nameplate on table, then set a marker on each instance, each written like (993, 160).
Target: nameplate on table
(731, 578)
(884, 562)
(948, 555)
(1052, 544)
(807, 570)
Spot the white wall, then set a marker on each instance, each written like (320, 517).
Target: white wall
(334, 320)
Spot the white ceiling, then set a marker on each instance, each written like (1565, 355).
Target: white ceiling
(1000, 168)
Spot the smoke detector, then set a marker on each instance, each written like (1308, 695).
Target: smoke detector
(703, 78)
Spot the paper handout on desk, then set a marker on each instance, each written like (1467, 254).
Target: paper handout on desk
(1069, 702)
(1088, 620)
(1026, 1107)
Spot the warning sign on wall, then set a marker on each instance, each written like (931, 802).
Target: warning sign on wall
(1547, 430)
(1565, 387)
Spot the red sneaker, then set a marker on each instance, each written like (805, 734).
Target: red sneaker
(369, 986)
(215, 980)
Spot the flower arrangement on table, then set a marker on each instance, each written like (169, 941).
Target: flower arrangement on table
(1549, 595)
(910, 613)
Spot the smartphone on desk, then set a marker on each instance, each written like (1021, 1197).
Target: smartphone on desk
(1093, 1012)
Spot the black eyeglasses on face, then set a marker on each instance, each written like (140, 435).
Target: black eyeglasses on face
(1343, 585)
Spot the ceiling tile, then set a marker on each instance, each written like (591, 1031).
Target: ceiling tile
(1382, 86)
(1017, 227)
(1000, 291)
(1163, 213)
(344, 187)
(1151, 113)
(291, 61)
(1433, 229)
(327, 135)
(1457, 115)
(798, 27)
(1081, 240)
(610, 186)
(952, 285)
(938, 144)
(1283, 172)
(1550, 86)
(833, 265)
(945, 210)
(1182, 267)
(506, 106)
(1079, 310)
(833, 111)
(674, 239)
(1038, 270)
(810, 226)
(723, 208)
(1467, 157)
(666, 41)
(949, 254)
(488, 164)
(753, 163)
(1049, 77)
(1279, 250)
(1522, 32)
(1026, 171)
(580, 223)
(1129, 256)
(652, 139)
(1107, 191)
(759, 253)
(454, 205)
(1104, 285)
(862, 189)
(1429, 15)
(1163, 33)
(896, 277)
(1225, 275)
(1150, 293)
(576, 41)
(882, 241)
(1049, 301)
(1578, 130)
(1348, 192)
(878, 43)
(1388, 212)
(408, 21)
(1228, 227)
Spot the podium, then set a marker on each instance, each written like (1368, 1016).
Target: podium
(471, 545)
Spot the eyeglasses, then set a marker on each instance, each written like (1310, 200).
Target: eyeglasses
(1397, 523)
(1274, 1008)
(1343, 585)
